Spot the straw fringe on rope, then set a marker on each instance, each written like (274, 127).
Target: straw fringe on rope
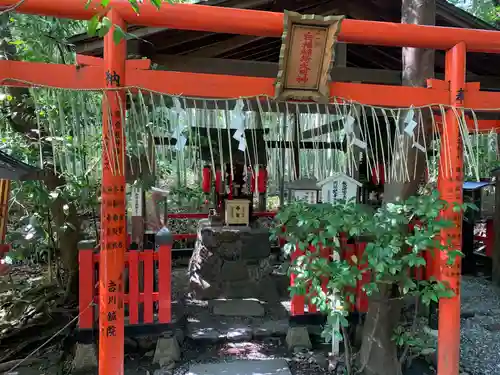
(375, 134)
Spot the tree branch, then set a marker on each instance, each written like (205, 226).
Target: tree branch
(12, 7)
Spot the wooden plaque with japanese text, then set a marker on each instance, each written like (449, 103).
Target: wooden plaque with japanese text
(306, 58)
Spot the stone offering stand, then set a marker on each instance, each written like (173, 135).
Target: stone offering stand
(231, 262)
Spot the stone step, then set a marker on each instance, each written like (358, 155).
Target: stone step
(242, 367)
(234, 330)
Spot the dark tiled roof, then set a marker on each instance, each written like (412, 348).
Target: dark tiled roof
(12, 169)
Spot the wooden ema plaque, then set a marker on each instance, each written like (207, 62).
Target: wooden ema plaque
(237, 212)
(306, 57)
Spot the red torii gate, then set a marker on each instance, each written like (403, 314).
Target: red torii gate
(97, 73)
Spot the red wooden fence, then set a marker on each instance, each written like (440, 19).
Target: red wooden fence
(356, 249)
(150, 260)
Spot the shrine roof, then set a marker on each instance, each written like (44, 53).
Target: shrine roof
(302, 184)
(13, 169)
(475, 185)
(339, 176)
(170, 49)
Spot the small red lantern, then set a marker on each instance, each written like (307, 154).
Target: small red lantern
(262, 180)
(218, 181)
(206, 180)
(378, 175)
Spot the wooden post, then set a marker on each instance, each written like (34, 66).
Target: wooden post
(4, 208)
(113, 206)
(296, 146)
(495, 257)
(450, 182)
(86, 284)
(340, 55)
(164, 240)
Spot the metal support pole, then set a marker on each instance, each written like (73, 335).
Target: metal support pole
(113, 206)
(450, 182)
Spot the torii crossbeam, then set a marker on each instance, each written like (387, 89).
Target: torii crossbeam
(457, 42)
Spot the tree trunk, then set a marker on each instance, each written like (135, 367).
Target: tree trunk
(68, 226)
(378, 351)
(23, 120)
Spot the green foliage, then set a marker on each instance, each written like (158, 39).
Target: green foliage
(100, 25)
(486, 10)
(42, 39)
(392, 252)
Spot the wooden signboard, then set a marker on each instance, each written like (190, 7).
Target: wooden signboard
(237, 212)
(306, 57)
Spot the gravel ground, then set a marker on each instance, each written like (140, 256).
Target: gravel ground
(480, 332)
(480, 341)
(300, 363)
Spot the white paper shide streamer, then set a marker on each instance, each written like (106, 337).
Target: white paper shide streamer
(410, 127)
(178, 120)
(238, 123)
(352, 140)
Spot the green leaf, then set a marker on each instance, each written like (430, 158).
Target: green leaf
(135, 5)
(92, 25)
(156, 3)
(104, 26)
(118, 34)
(104, 3)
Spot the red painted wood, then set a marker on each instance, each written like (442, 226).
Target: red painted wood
(86, 288)
(126, 298)
(298, 302)
(327, 254)
(348, 252)
(184, 236)
(132, 299)
(164, 284)
(147, 257)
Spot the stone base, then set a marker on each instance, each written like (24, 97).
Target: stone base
(242, 367)
(235, 320)
(167, 352)
(231, 262)
(298, 337)
(85, 358)
(238, 308)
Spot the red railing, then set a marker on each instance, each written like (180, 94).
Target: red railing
(135, 260)
(149, 260)
(298, 303)
(355, 249)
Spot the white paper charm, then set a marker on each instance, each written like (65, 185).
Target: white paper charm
(410, 128)
(418, 146)
(238, 123)
(178, 121)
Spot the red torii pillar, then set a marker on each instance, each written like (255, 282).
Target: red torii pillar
(113, 203)
(113, 206)
(450, 180)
